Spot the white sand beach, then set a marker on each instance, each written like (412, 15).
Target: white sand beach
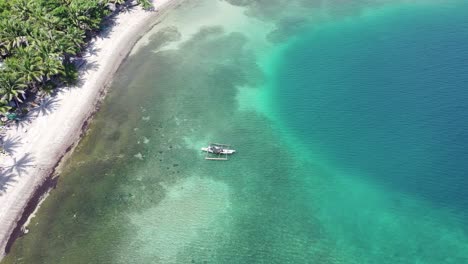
(35, 147)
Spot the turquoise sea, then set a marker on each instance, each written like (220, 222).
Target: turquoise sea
(350, 123)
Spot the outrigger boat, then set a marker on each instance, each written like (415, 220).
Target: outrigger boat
(219, 151)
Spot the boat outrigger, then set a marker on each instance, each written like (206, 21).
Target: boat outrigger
(217, 151)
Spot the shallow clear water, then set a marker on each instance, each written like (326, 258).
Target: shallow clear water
(348, 118)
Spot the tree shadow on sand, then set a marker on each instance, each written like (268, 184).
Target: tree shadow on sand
(107, 27)
(20, 165)
(91, 50)
(84, 69)
(89, 66)
(46, 106)
(23, 122)
(6, 180)
(10, 144)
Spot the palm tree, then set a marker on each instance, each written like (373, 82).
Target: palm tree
(4, 108)
(27, 63)
(146, 4)
(50, 63)
(70, 40)
(11, 88)
(12, 35)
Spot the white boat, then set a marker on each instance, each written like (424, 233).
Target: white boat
(218, 150)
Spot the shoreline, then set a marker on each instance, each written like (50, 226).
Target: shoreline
(41, 145)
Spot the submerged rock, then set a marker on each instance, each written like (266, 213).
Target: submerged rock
(139, 156)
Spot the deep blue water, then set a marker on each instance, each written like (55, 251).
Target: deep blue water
(384, 96)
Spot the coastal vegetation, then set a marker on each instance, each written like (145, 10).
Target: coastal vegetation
(41, 42)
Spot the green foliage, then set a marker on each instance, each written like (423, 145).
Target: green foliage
(146, 4)
(38, 39)
(4, 108)
(11, 88)
(70, 74)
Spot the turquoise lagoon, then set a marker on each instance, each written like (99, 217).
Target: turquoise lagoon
(350, 123)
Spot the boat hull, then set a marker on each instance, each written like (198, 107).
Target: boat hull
(224, 151)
